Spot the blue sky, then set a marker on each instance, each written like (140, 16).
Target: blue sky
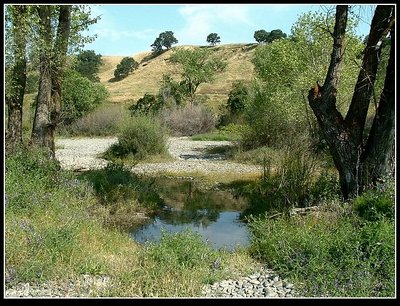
(128, 29)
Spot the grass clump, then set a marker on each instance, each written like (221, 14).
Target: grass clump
(376, 203)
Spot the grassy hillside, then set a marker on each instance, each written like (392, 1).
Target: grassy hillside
(147, 78)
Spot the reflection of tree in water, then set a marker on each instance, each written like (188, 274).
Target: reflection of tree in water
(199, 209)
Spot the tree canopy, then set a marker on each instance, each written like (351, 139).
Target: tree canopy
(197, 66)
(165, 39)
(262, 36)
(213, 39)
(125, 67)
(88, 64)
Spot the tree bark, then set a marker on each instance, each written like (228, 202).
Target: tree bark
(52, 62)
(42, 132)
(344, 136)
(378, 156)
(15, 100)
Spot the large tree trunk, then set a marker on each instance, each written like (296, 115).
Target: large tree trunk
(344, 136)
(15, 99)
(52, 62)
(42, 132)
(378, 156)
(61, 47)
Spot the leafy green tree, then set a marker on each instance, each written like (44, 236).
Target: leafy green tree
(157, 45)
(237, 98)
(277, 109)
(165, 39)
(80, 96)
(88, 64)
(197, 66)
(58, 31)
(213, 39)
(261, 36)
(168, 39)
(275, 34)
(125, 67)
(148, 104)
(17, 26)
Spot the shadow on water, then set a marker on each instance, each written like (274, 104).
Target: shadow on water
(214, 214)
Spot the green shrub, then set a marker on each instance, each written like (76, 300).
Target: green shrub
(375, 203)
(267, 121)
(181, 251)
(125, 67)
(140, 138)
(326, 186)
(237, 98)
(80, 96)
(330, 254)
(147, 105)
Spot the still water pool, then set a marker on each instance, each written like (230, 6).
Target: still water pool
(213, 214)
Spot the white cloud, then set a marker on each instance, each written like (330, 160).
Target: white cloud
(109, 28)
(201, 20)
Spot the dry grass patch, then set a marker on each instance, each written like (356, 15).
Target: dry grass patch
(148, 76)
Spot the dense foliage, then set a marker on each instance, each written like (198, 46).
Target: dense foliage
(213, 39)
(125, 67)
(80, 96)
(165, 39)
(88, 64)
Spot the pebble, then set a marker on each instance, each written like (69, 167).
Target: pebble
(190, 156)
(263, 284)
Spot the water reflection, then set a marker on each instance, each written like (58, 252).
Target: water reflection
(214, 214)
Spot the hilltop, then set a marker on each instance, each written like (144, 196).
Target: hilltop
(147, 78)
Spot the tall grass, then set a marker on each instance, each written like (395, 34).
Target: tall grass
(331, 253)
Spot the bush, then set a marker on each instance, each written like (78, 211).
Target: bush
(106, 120)
(141, 137)
(125, 67)
(237, 98)
(375, 203)
(189, 120)
(80, 96)
(88, 63)
(147, 105)
(268, 124)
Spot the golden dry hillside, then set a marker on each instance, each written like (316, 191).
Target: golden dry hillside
(147, 78)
